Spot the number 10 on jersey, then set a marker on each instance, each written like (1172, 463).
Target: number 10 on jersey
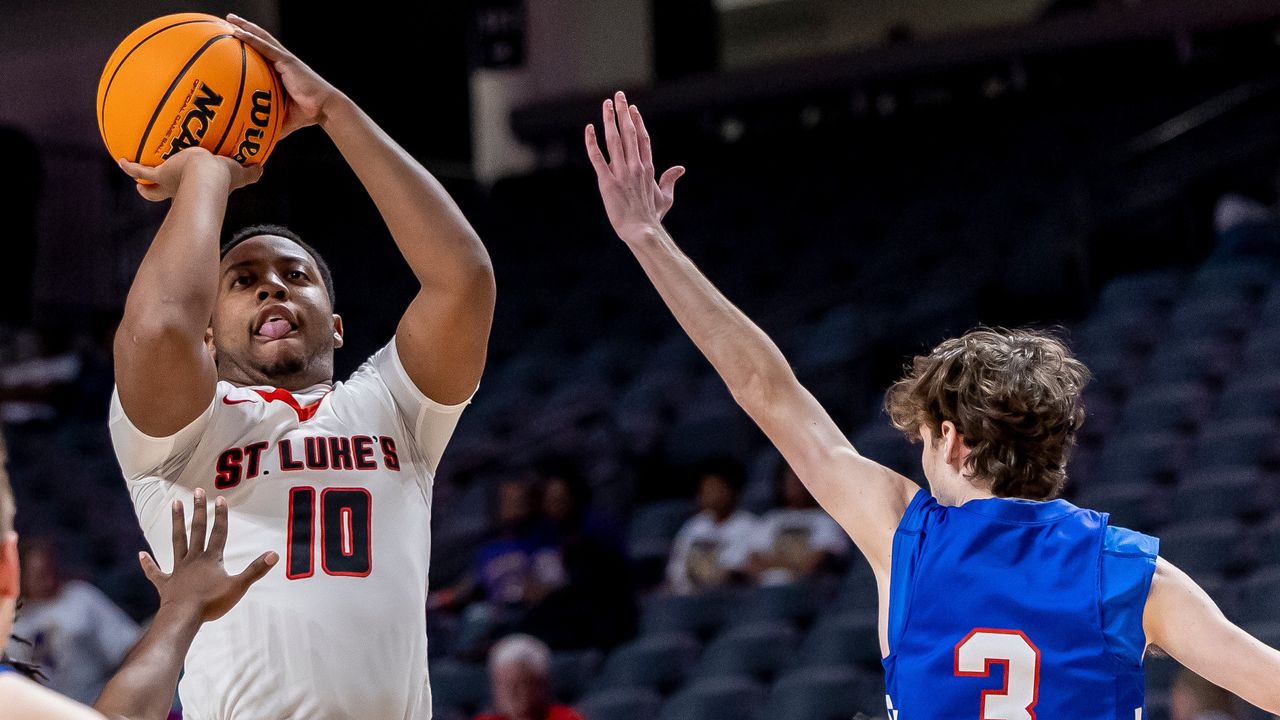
(345, 527)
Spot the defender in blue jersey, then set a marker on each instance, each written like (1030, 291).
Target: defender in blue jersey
(997, 602)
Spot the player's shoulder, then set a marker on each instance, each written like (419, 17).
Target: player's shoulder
(1123, 542)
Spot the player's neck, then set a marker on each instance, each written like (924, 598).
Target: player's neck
(958, 491)
(306, 378)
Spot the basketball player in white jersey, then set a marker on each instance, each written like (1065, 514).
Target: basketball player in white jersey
(224, 372)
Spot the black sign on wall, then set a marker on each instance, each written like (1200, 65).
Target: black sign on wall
(500, 33)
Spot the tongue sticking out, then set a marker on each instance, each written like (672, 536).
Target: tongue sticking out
(275, 329)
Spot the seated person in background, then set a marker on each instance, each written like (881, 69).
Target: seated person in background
(1194, 698)
(520, 675)
(796, 539)
(514, 570)
(77, 636)
(714, 546)
(522, 564)
(596, 607)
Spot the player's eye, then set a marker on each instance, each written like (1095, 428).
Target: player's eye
(241, 281)
(296, 275)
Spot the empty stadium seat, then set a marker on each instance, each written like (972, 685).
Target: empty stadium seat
(1160, 407)
(658, 522)
(700, 615)
(721, 698)
(1137, 457)
(1260, 597)
(1199, 546)
(621, 704)
(857, 592)
(826, 693)
(1256, 394)
(1199, 360)
(1149, 289)
(1217, 493)
(655, 661)
(795, 602)
(458, 684)
(1135, 506)
(1243, 441)
(571, 671)
(843, 639)
(757, 650)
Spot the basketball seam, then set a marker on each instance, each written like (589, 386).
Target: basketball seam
(173, 85)
(235, 107)
(102, 112)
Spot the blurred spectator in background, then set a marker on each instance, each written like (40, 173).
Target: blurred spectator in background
(36, 367)
(514, 570)
(596, 607)
(714, 546)
(797, 539)
(522, 564)
(1194, 698)
(78, 636)
(520, 677)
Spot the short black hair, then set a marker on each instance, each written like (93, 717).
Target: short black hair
(281, 231)
(722, 466)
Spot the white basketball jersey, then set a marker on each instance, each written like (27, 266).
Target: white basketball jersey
(337, 480)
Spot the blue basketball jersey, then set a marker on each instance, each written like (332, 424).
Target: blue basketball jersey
(1007, 609)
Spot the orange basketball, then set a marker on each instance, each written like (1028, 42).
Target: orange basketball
(185, 80)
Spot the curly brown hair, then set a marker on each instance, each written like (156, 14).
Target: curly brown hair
(1014, 396)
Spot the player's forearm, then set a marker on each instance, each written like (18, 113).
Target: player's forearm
(177, 282)
(143, 687)
(429, 228)
(750, 364)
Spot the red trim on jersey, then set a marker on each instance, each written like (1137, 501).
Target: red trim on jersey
(986, 669)
(311, 534)
(305, 413)
(343, 526)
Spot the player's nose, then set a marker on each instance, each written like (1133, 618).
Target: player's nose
(272, 287)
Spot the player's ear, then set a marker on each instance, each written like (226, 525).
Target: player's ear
(953, 447)
(337, 330)
(9, 580)
(208, 343)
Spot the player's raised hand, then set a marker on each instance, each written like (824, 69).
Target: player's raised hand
(199, 579)
(162, 181)
(633, 199)
(308, 93)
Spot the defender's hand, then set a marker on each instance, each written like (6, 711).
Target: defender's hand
(199, 581)
(634, 202)
(308, 94)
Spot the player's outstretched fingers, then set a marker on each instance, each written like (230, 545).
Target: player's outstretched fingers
(151, 569)
(258, 569)
(179, 531)
(258, 37)
(642, 139)
(593, 153)
(612, 142)
(627, 129)
(218, 538)
(199, 521)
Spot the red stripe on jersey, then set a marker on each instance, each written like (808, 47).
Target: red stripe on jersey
(286, 397)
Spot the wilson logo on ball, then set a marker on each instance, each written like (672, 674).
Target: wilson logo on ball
(195, 123)
(260, 116)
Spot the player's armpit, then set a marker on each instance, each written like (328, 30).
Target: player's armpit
(1181, 619)
(866, 498)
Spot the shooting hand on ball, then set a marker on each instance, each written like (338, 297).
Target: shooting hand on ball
(309, 95)
(162, 182)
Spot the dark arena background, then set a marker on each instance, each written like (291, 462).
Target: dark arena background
(864, 179)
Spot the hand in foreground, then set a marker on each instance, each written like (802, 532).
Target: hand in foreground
(634, 201)
(308, 94)
(162, 181)
(199, 580)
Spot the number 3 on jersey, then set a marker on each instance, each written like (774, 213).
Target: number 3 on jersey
(346, 517)
(1021, 659)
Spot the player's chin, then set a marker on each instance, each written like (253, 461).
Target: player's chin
(286, 352)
